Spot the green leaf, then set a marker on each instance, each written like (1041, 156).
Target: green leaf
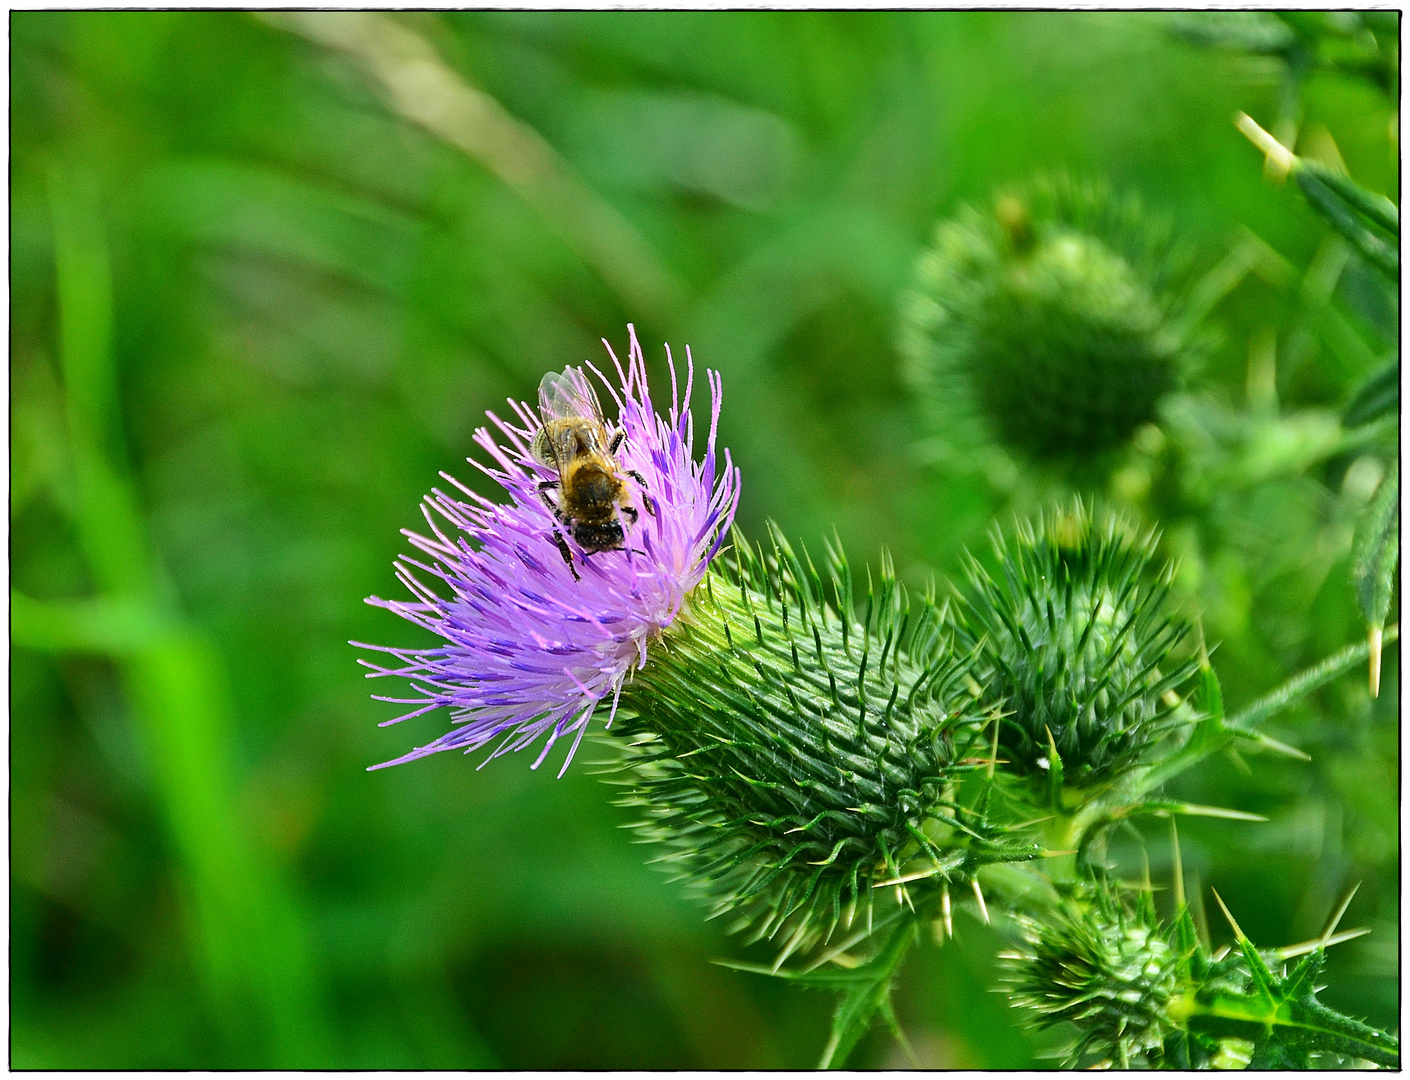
(248, 937)
(1379, 396)
(1375, 556)
(1270, 743)
(1211, 697)
(1344, 216)
(1054, 774)
(1361, 216)
(1290, 1024)
(1376, 551)
(868, 995)
(106, 627)
(1305, 682)
(1377, 208)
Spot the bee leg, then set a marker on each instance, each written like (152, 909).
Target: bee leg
(631, 513)
(645, 498)
(567, 555)
(616, 442)
(544, 488)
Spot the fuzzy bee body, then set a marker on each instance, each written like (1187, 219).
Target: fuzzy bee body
(574, 442)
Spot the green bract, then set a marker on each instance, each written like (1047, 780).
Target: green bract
(1044, 325)
(1075, 646)
(792, 757)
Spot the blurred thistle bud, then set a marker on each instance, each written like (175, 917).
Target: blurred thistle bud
(1046, 326)
(1106, 968)
(1076, 646)
(796, 761)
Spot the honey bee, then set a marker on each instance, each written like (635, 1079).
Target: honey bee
(574, 442)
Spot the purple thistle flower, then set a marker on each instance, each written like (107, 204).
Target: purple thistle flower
(529, 648)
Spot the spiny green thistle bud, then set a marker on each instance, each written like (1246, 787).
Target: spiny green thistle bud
(1075, 646)
(1045, 325)
(1145, 993)
(792, 758)
(1107, 969)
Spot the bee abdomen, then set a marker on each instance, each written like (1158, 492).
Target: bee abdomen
(595, 492)
(603, 536)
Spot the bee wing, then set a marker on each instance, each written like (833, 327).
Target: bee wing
(568, 395)
(572, 419)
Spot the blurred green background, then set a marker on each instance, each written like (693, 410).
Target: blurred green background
(254, 312)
